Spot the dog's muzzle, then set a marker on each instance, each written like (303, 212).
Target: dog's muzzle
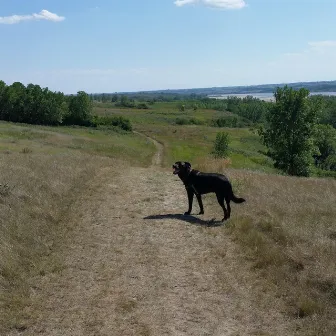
(176, 170)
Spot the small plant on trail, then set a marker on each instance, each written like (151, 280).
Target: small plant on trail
(221, 145)
(4, 189)
(26, 150)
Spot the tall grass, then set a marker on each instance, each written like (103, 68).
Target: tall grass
(42, 170)
(287, 229)
(36, 191)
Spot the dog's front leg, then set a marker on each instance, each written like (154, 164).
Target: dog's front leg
(200, 203)
(190, 193)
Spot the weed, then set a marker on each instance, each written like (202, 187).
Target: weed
(26, 150)
(4, 190)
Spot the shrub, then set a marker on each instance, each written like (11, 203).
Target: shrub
(189, 121)
(325, 140)
(221, 145)
(143, 106)
(114, 121)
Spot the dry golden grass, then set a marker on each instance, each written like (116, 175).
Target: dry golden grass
(211, 164)
(42, 170)
(35, 192)
(287, 228)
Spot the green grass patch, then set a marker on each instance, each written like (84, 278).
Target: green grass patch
(189, 134)
(193, 142)
(103, 142)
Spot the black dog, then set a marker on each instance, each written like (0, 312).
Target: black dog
(199, 183)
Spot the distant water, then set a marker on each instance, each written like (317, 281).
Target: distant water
(264, 96)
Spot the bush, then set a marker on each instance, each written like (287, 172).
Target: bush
(181, 107)
(330, 163)
(189, 121)
(230, 121)
(181, 121)
(221, 145)
(143, 106)
(325, 140)
(114, 121)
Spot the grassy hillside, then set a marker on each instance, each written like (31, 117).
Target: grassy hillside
(286, 229)
(57, 140)
(42, 170)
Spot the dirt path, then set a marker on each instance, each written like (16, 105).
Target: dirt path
(158, 156)
(134, 266)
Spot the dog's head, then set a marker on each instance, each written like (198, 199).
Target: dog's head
(181, 168)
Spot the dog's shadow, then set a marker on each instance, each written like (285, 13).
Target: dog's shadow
(189, 219)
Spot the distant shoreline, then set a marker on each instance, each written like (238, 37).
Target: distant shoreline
(263, 96)
(264, 90)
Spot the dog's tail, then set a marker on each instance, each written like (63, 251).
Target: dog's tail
(237, 199)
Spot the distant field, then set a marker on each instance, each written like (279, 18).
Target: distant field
(193, 142)
(159, 113)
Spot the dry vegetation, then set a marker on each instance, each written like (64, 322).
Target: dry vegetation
(280, 281)
(288, 230)
(42, 171)
(36, 191)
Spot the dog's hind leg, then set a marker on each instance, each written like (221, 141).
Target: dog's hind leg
(220, 199)
(227, 200)
(200, 203)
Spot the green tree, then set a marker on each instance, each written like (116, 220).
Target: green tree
(325, 140)
(13, 98)
(104, 98)
(33, 108)
(114, 98)
(2, 97)
(290, 129)
(2, 88)
(221, 145)
(80, 110)
(124, 101)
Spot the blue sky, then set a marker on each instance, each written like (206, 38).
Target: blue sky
(132, 45)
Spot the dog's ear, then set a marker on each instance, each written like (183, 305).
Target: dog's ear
(187, 165)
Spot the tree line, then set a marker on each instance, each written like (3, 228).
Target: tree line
(32, 104)
(35, 105)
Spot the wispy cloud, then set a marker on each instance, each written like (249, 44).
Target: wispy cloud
(43, 15)
(219, 4)
(322, 45)
(292, 54)
(315, 47)
(94, 8)
(313, 62)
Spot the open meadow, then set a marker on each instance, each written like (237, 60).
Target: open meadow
(93, 241)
